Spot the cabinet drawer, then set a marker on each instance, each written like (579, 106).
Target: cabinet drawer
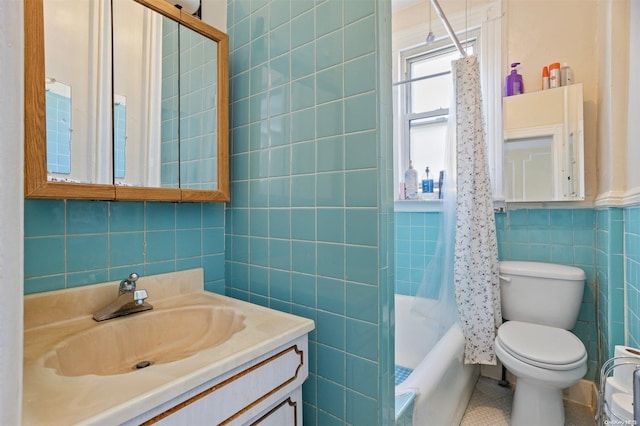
(245, 392)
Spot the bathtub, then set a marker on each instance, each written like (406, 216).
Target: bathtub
(440, 380)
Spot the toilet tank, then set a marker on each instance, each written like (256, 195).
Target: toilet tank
(541, 293)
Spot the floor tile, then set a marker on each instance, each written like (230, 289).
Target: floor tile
(490, 405)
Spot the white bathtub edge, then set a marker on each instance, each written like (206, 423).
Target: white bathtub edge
(442, 369)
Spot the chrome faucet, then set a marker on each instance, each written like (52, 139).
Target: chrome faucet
(129, 301)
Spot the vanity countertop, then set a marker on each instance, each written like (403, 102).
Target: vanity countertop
(50, 318)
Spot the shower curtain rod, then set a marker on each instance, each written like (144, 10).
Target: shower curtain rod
(424, 77)
(447, 26)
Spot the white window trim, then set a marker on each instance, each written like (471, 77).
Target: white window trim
(490, 20)
(407, 58)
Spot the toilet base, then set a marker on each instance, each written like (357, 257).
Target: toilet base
(535, 405)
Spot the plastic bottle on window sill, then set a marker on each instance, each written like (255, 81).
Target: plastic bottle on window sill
(401, 191)
(427, 184)
(411, 182)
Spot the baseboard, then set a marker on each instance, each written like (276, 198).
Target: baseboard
(585, 392)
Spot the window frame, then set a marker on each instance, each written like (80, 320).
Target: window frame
(489, 20)
(409, 57)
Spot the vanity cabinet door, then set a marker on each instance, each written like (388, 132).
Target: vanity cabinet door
(264, 391)
(287, 412)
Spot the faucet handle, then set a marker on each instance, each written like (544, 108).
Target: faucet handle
(139, 296)
(128, 284)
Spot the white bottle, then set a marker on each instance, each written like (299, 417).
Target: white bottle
(411, 182)
(566, 75)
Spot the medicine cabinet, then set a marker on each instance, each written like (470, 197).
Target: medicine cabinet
(544, 145)
(124, 100)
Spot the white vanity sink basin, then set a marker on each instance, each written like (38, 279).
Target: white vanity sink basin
(127, 344)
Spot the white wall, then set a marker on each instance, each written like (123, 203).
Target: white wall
(410, 25)
(11, 209)
(613, 88)
(633, 124)
(601, 42)
(545, 31)
(214, 13)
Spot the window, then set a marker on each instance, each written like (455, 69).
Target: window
(483, 26)
(424, 109)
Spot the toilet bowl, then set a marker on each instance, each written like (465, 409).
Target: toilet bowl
(540, 302)
(545, 360)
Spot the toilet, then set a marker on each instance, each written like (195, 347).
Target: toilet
(540, 303)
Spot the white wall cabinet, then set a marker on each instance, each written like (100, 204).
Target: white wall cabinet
(544, 145)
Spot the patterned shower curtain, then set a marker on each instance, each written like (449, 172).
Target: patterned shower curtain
(476, 281)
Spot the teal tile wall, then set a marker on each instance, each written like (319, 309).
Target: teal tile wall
(198, 111)
(632, 275)
(189, 91)
(58, 121)
(169, 147)
(309, 215)
(70, 243)
(119, 139)
(417, 236)
(610, 278)
(564, 236)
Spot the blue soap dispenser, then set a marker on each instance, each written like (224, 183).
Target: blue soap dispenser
(513, 84)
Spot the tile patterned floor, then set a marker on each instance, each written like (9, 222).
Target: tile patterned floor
(490, 405)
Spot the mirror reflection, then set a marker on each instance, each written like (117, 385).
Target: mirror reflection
(143, 77)
(157, 124)
(168, 75)
(119, 135)
(76, 41)
(198, 112)
(58, 99)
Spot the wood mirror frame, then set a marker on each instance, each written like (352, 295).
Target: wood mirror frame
(36, 184)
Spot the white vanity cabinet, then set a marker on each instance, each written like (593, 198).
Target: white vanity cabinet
(264, 391)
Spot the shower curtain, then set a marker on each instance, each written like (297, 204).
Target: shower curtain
(461, 279)
(475, 266)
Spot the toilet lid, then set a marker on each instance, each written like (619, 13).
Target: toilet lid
(543, 346)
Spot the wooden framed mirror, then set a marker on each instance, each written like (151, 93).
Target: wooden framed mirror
(116, 109)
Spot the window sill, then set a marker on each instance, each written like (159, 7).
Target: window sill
(434, 205)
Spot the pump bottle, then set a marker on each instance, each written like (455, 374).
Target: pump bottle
(513, 83)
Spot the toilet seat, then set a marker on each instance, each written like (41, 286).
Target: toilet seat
(542, 346)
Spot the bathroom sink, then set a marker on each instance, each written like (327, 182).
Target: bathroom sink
(126, 370)
(131, 343)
